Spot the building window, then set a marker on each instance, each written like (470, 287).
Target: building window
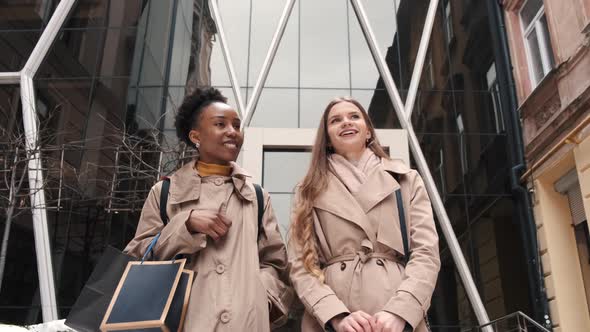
(429, 71)
(583, 245)
(439, 172)
(449, 33)
(536, 39)
(494, 93)
(462, 146)
(569, 186)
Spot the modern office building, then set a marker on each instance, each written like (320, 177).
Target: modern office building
(107, 90)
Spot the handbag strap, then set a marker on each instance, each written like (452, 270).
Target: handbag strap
(402, 222)
(164, 199)
(260, 202)
(163, 215)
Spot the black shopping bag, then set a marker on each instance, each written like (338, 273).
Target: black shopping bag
(125, 294)
(87, 313)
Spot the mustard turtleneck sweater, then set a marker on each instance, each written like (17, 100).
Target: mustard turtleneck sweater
(205, 169)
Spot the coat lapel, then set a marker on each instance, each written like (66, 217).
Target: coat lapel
(379, 185)
(185, 184)
(337, 200)
(389, 231)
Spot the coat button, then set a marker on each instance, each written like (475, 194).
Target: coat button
(218, 181)
(225, 317)
(220, 269)
(342, 266)
(380, 262)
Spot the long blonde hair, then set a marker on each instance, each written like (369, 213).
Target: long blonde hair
(316, 181)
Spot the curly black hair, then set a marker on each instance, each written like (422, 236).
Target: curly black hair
(191, 108)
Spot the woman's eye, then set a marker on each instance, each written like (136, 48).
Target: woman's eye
(334, 120)
(356, 116)
(219, 124)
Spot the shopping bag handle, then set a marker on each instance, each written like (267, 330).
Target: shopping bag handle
(150, 247)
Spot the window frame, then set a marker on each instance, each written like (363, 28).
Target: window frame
(494, 91)
(449, 30)
(546, 57)
(462, 144)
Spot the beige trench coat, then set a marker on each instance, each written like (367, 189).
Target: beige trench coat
(236, 279)
(360, 249)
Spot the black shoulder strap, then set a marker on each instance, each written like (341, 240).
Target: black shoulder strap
(260, 201)
(164, 199)
(402, 222)
(402, 218)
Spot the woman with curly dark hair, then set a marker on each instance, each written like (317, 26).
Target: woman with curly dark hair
(240, 266)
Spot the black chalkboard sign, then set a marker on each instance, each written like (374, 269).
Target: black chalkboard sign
(145, 295)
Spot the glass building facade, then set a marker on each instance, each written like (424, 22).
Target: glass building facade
(108, 89)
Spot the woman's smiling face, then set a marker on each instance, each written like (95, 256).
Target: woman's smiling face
(347, 128)
(218, 133)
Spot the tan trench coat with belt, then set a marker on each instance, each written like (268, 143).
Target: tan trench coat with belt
(360, 248)
(236, 278)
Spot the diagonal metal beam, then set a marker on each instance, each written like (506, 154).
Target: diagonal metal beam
(420, 57)
(437, 202)
(272, 51)
(61, 13)
(38, 204)
(35, 174)
(227, 57)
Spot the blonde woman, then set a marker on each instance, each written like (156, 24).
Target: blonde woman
(349, 264)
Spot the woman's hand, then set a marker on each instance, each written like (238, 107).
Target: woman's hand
(358, 321)
(214, 224)
(388, 322)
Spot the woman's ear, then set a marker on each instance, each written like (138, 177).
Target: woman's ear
(195, 136)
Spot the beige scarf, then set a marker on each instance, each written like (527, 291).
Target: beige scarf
(353, 176)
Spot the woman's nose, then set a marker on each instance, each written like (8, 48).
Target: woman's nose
(231, 131)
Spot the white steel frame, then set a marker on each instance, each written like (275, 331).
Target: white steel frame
(24, 77)
(403, 112)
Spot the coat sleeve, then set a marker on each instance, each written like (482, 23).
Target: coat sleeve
(317, 297)
(274, 266)
(412, 299)
(174, 238)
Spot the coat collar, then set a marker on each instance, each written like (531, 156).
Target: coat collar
(397, 166)
(380, 184)
(185, 184)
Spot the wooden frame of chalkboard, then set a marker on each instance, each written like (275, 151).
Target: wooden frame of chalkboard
(143, 324)
(187, 294)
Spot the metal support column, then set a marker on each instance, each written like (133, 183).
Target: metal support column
(227, 57)
(437, 202)
(270, 56)
(247, 112)
(35, 173)
(420, 57)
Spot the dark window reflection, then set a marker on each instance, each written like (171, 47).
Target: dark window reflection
(16, 48)
(458, 119)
